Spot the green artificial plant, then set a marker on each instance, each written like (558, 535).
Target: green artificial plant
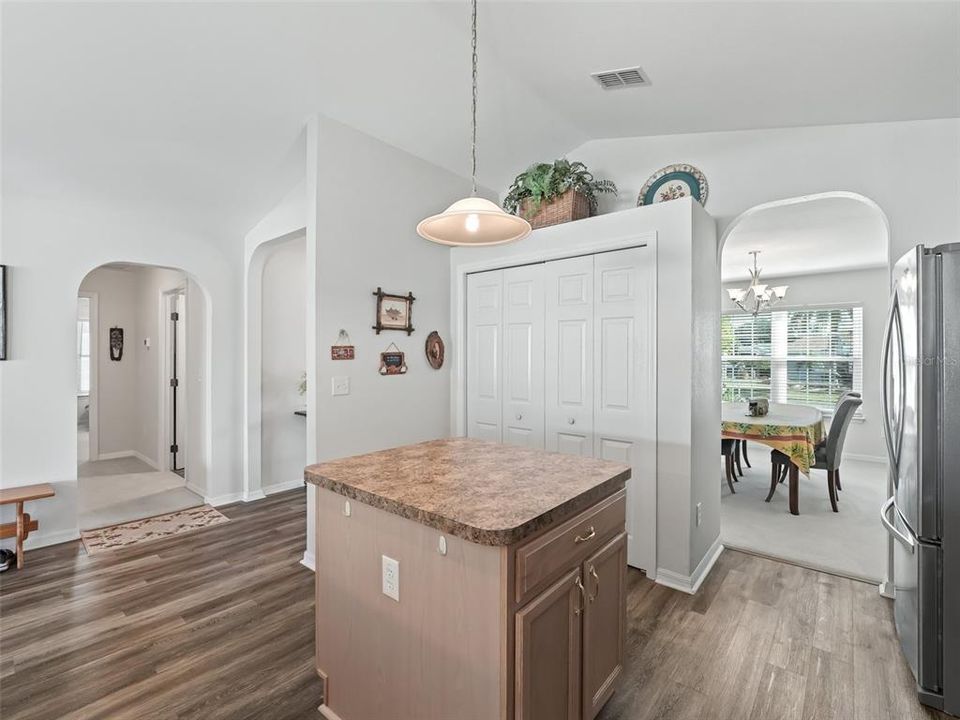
(543, 182)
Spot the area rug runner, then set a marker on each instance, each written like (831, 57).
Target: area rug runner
(152, 528)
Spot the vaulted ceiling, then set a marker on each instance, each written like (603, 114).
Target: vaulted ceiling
(193, 109)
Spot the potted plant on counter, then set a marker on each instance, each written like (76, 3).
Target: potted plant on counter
(553, 193)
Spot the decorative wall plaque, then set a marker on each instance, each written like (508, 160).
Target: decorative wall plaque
(116, 343)
(343, 350)
(434, 350)
(392, 361)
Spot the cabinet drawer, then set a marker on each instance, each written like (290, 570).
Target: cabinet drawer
(544, 558)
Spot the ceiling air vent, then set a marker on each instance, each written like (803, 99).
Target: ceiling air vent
(627, 77)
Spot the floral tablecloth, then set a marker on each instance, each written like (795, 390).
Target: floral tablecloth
(794, 430)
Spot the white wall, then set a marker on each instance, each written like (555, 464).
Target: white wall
(50, 243)
(868, 287)
(910, 169)
(283, 439)
(116, 381)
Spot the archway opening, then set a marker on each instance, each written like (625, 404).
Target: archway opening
(804, 291)
(141, 354)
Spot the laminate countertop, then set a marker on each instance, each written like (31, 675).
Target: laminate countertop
(487, 493)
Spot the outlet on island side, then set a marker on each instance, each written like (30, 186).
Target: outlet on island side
(391, 577)
(699, 513)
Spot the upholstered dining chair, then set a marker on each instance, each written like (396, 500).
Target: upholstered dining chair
(844, 396)
(728, 448)
(828, 454)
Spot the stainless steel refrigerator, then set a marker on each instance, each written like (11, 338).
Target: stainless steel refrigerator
(921, 409)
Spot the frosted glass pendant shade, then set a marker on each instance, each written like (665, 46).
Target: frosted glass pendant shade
(473, 221)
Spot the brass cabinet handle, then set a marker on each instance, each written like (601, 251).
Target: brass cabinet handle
(579, 584)
(596, 579)
(588, 535)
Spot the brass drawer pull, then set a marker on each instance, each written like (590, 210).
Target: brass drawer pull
(587, 536)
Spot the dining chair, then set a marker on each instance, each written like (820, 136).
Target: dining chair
(727, 449)
(741, 451)
(844, 396)
(828, 454)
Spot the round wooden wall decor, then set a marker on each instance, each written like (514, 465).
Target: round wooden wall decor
(434, 350)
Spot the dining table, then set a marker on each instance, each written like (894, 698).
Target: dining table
(794, 430)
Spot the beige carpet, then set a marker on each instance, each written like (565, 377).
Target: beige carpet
(154, 528)
(851, 543)
(110, 494)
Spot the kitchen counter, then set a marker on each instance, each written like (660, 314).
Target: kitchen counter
(465, 579)
(483, 492)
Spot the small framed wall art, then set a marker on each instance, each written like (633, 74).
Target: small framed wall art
(434, 350)
(394, 312)
(392, 361)
(344, 349)
(116, 344)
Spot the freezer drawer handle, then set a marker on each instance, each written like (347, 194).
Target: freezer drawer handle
(905, 540)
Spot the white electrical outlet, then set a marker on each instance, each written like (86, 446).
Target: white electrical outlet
(699, 513)
(391, 577)
(340, 385)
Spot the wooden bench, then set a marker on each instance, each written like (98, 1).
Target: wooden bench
(24, 525)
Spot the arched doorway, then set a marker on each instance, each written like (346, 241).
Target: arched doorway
(141, 357)
(818, 338)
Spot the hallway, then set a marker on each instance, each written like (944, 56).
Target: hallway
(126, 488)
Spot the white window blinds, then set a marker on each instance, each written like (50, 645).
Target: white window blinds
(803, 356)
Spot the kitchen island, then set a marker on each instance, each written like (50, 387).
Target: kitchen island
(464, 579)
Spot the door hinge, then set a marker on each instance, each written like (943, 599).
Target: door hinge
(174, 448)
(174, 316)
(174, 382)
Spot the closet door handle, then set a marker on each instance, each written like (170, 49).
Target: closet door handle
(519, 416)
(571, 421)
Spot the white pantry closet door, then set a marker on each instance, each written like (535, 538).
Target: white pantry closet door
(568, 368)
(484, 335)
(523, 356)
(624, 382)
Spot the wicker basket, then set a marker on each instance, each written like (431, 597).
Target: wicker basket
(572, 205)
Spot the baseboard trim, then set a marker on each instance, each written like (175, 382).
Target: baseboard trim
(127, 453)
(283, 487)
(309, 561)
(195, 489)
(41, 539)
(218, 500)
(254, 495)
(886, 589)
(691, 583)
(866, 458)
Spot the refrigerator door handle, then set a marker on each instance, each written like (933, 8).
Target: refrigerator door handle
(908, 542)
(884, 396)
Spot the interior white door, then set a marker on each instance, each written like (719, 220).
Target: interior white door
(624, 386)
(568, 369)
(522, 421)
(484, 334)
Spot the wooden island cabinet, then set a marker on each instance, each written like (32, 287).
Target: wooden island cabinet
(469, 580)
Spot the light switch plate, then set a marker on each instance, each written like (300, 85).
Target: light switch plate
(391, 577)
(340, 385)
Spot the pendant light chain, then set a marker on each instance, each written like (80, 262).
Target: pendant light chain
(473, 141)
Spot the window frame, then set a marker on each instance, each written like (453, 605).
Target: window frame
(779, 357)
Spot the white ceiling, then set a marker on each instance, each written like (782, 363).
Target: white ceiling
(193, 110)
(803, 238)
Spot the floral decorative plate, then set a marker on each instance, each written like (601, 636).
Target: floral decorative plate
(672, 182)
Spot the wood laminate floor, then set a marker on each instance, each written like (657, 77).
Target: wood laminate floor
(219, 624)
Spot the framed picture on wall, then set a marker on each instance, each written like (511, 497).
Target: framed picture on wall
(394, 312)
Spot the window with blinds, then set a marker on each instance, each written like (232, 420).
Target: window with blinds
(803, 356)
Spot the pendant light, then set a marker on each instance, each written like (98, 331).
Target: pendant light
(473, 220)
(758, 297)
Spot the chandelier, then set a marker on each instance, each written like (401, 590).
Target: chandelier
(473, 220)
(758, 296)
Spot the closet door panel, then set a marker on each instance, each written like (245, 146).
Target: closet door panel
(625, 385)
(569, 355)
(523, 356)
(484, 339)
